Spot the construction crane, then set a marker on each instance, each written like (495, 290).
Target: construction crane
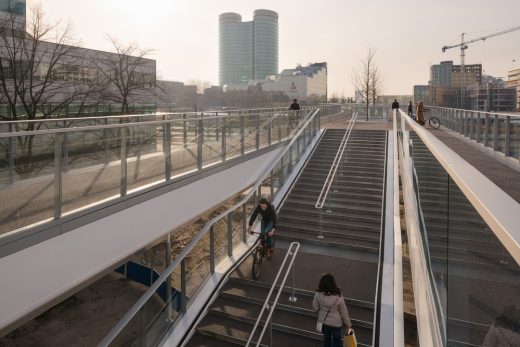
(463, 46)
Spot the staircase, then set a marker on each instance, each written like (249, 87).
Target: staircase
(349, 249)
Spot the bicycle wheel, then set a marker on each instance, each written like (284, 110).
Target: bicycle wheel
(434, 122)
(257, 263)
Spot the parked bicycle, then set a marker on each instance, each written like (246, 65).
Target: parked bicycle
(432, 121)
(259, 254)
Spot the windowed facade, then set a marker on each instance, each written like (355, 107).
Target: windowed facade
(16, 7)
(247, 50)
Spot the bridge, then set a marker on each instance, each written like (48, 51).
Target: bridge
(386, 205)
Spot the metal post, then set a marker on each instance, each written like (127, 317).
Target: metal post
(168, 261)
(183, 286)
(230, 233)
(167, 149)
(257, 136)
(57, 175)
(10, 155)
(212, 249)
(185, 131)
(471, 126)
(65, 149)
(224, 149)
(271, 183)
(507, 146)
(242, 140)
(477, 128)
(123, 178)
(244, 223)
(271, 332)
(495, 133)
(279, 128)
(293, 297)
(106, 142)
(200, 134)
(270, 129)
(486, 130)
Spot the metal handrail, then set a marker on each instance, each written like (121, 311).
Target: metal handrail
(202, 233)
(474, 111)
(235, 112)
(334, 167)
(113, 126)
(294, 247)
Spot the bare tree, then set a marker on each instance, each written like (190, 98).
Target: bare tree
(125, 76)
(200, 84)
(367, 80)
(34, 66)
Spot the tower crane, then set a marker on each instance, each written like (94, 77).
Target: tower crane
(463, 46)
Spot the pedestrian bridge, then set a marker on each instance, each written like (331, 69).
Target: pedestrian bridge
(462, 238)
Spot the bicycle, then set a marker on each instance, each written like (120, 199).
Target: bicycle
(259, 255)
(433, 122)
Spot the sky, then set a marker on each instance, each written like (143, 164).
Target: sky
(407, 34)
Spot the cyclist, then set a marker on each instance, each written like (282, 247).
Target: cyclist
(267, 225)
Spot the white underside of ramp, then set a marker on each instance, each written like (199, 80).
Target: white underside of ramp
(39, 276)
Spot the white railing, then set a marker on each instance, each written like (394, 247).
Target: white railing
(269, 307)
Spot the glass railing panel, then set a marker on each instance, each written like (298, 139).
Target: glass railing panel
(183, 146)
(251, 131)
(197, 265)
(146, 160)
(93, 171)
(233, 143)
(501, 134)
(30, 166)
(276, 179)
(212, 144)
(265, 128)
(483, 280)
(475, 279)
(221, 239)
(515, 138)
(238, 222)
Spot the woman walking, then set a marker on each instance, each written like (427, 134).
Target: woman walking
(332, 311)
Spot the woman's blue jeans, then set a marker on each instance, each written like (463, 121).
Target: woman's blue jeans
(331, 336)
(266, 227)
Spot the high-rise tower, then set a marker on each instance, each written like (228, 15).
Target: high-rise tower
(247, 50)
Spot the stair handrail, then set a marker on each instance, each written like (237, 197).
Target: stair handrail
(335, 164)
(292, 251)
(123, 322)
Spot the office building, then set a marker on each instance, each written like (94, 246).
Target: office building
(420, 93)
(302, 83)
(247, 50)
(492, 95)
(446, 74)
(513, 80)
(441, 74)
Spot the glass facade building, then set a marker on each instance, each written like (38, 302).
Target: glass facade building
(247, 50)
(16, 7)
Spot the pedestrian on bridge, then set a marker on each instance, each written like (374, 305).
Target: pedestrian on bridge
(410, 109)
(295, 113)
(420, 113)
(332, 311)
(395, 105)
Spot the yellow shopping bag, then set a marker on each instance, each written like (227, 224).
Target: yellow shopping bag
(350, 340)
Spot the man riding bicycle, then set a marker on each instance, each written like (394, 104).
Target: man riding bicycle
(267, 225)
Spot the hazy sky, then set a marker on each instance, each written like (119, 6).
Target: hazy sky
(408, 34)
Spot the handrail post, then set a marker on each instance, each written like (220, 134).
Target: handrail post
(270, 129)
(230, 234)
(167, 149)
(10, 154)
(507, 145)
(168, 260)
(486, 130)
(477, 128)
(495, 132)
(224, 135)
(58, 184)
(200, 141)
(65, 149)
(293, 297)
(257, 135)
(244, 223)
(242, 132)
(183, 286)
(185, 131)
(212, 249)
(124, 168)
